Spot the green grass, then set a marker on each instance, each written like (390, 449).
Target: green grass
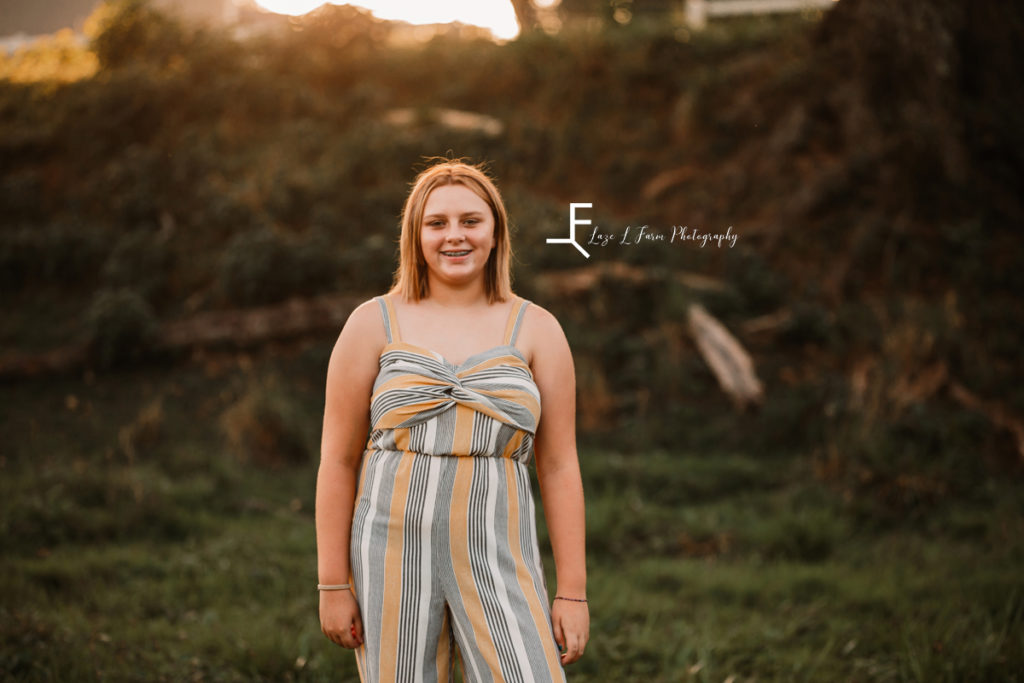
(139, 546)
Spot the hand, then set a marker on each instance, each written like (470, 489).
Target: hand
(339, 618)
(571, 624)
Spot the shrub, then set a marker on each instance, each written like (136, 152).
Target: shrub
(266, 428)
(121, 327)
(263, 266)
(127, 31)
(369, 265)
(140, 261)
(253, 268)
(57, 253)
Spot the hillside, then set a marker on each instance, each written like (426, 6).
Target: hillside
(863, 520)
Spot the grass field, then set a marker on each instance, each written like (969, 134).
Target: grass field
(146, 538)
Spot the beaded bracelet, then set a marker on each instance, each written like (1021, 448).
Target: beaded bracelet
(559, 597)
(337, 587)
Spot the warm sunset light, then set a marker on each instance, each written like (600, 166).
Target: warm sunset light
(496, 15)
(293, 7)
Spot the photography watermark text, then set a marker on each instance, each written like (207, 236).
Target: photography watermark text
(640, 234)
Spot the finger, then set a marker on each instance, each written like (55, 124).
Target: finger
(556, 626)
(357, 626)
(343, 639)
(335, 637)
(570, 648)
(573, 649)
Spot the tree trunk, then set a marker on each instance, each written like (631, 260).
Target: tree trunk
(526, 15)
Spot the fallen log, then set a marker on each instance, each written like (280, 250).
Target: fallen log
(236, 328)
(728, 360)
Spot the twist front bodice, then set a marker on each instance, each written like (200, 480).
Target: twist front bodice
(488, 405)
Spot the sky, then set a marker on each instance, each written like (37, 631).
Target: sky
(42, 16)
(46, 16)
(497, 15)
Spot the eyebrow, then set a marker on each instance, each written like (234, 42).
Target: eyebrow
(441, 215)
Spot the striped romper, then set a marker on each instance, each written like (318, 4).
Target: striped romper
(444, 552)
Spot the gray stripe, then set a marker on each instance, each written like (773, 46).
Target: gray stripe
(384, 314)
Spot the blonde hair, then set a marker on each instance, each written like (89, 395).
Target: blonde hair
(410, 280)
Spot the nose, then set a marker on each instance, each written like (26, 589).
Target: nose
(454, 233)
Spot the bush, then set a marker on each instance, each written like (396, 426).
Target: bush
(263, 266)
(266, 428)
(139, 261)
(128, 31)
(253, 268)
(62, 253)
(122, 327)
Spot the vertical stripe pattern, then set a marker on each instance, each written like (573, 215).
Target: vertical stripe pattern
(444, 553)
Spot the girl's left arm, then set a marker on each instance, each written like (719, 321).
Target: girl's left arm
(561, 486)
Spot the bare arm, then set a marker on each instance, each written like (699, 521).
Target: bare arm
(350, 375)
(561, 487)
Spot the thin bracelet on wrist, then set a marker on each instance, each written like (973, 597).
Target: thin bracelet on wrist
(559, 597)
(333, 587)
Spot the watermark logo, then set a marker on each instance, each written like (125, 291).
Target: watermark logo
(642, 234)
(573, 222)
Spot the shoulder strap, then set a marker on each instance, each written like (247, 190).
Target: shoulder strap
(515, 321)
(387, 313)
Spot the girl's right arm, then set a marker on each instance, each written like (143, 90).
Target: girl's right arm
(351, 372)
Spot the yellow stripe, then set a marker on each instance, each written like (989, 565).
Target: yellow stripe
(464, 419)
(519, 301)
(513, 445)
(393, 570)
(444, 653)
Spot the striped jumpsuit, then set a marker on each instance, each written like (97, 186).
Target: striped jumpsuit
(444, 552)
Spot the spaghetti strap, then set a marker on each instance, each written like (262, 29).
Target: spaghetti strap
(387, 312)
(515, 321)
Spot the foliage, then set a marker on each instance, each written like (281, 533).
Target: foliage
(56, 58)
(264, 427)
(124, 32)
(867, 162)
(262, 266)
(139, 261)
(122, 327)
(62, 253)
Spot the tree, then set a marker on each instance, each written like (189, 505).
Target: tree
(526, 15)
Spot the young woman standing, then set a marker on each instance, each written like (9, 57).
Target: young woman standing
(439, 395)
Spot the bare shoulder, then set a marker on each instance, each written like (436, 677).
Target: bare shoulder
(366, 319)
(363, 333)
(351, 370)
(541, 321)
(542, 335)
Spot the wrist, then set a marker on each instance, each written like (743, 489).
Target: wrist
(571, 589)
(580, 601)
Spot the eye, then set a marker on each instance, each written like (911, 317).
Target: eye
(472, 221)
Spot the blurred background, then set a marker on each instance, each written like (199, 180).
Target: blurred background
(802, 452)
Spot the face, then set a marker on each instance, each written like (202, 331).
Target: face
(457, 234)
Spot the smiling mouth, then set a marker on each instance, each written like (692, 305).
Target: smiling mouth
(456, 253)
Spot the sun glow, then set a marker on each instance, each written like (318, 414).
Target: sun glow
(496, 15)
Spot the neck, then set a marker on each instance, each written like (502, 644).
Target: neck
(457, 295)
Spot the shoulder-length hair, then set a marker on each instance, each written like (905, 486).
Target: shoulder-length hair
(410, 279)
